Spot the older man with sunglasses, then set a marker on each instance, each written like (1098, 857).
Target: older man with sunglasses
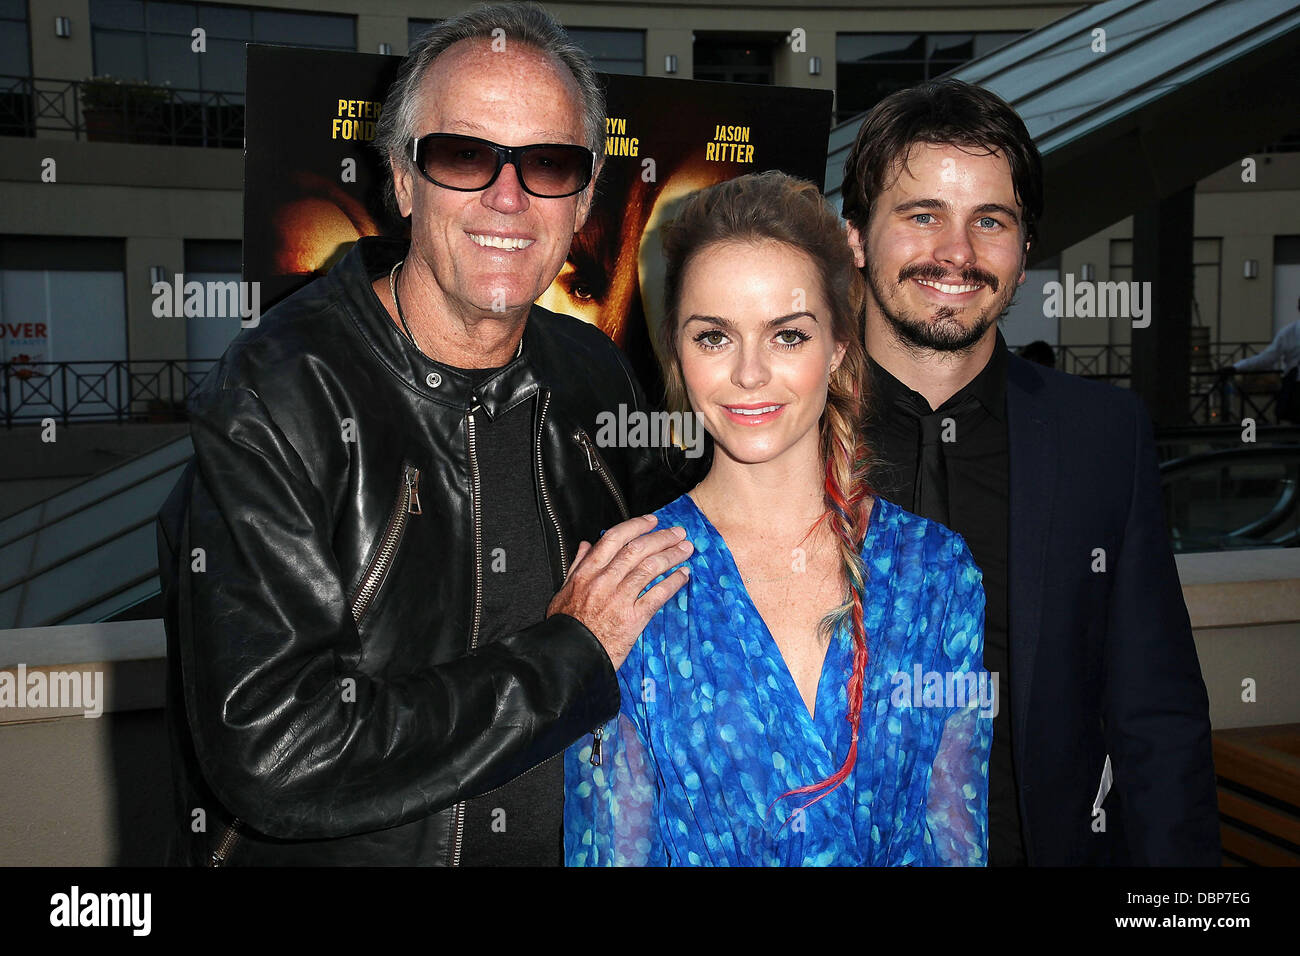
(394, 476)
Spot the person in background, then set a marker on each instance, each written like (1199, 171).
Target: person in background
(1282, 355)
(1040, 353)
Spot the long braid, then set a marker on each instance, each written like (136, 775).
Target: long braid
(848, 508)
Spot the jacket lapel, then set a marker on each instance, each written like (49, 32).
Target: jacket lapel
(1032, 441)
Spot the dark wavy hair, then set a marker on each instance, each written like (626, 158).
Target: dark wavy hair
(775, 207)
(945, 112)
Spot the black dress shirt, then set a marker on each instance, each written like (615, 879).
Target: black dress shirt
(952, 464)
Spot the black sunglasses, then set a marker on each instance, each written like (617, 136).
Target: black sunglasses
(468, 164)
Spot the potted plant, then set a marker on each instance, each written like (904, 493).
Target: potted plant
(124, 111)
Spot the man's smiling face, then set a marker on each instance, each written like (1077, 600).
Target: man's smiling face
(944, 247)
(497, 249)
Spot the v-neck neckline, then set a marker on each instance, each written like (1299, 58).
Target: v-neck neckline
(772, 645)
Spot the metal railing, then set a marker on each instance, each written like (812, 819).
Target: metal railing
(158, 390)
(104, 110)
(1212, 398)
(1116, 361)
(143, 390)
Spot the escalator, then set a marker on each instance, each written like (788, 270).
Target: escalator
(89, 553)
(1244, 496)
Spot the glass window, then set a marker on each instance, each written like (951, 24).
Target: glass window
(879, 46)
(14, 59)
(870, 66)
(150, 40)
(13, 49)
(171, 58)
(171, 17)
(614, 51)
(228, 22)
(947, 47)
(304, 29)
(222, 67)
(120, 55)
(117, 14)
(861, 86)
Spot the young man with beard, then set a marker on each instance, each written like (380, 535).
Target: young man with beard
(1052, 481)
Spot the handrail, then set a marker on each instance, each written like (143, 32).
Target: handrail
(105, 110)
(104, 390)
(1284, 508)
(72, 512)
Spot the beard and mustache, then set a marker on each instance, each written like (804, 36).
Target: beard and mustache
(942, 331)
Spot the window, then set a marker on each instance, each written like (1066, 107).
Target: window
(1207, 254)
(151, 41)
(210, 260)
(870, 66)
(62, 299)
(14, 51)
(731, 59)
(16, 113)
(614, 51)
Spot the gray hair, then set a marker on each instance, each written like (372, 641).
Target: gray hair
(525, 23)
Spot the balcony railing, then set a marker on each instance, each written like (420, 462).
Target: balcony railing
(108, 111)
(145, 390)
(1212, 399)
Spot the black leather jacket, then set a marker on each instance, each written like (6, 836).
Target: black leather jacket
(327, 698)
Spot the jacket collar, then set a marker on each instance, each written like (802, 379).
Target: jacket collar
(373, 258)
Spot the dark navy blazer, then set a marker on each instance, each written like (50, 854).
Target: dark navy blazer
(1103, 662)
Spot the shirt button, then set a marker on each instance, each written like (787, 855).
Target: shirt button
(433, 380)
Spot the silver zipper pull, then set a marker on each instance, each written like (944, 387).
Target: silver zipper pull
(581, 438)
(595, 746)
(413, 490)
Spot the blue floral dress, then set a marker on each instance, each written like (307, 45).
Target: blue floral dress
(712, 728)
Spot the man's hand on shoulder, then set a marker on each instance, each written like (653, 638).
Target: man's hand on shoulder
(604, 585)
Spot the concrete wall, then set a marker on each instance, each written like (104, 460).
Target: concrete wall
(96, 792)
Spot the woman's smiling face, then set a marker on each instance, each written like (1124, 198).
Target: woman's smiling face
(756, 346)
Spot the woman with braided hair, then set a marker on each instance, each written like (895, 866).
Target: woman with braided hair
(812, 694)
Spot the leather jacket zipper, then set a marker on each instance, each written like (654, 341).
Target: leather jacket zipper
(597, 464)
(546, 495)
(408, 503)
(221, 852)
(475, 490)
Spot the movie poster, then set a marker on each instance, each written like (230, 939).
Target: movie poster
(313, 181)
